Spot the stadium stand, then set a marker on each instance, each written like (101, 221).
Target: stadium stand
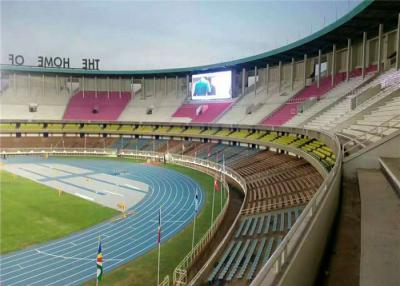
(347, 106)
(96, 106)
(202, 112)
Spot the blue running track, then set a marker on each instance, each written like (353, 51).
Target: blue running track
(71, 260)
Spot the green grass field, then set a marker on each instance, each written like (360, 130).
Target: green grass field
(33, 213)
(143, 270)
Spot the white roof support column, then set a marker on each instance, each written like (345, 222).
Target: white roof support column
(364, 54)
(29, 84)
(319, 67)
(108, 87)
(305, 70)
(255, 81)
(292, 75)
(176, 86)
(187, 85)
(266, 79)
(132, 88)
(57, 86)
(43, 92)
(83, 86)
(143, 88)
(348, 56)
(165, 86)
(333, 71)
(70, 85)
(243, 80)
(279, 76)
(120, 87)
(380, 37)
(398, 44)
(95, 86)
(154, 86)
(15, 84)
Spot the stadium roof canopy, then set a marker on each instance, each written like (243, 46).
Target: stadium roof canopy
(366, 17)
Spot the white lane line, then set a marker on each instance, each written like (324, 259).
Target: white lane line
(72, 258)
(84, 197)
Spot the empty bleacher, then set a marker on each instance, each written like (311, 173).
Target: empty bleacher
(91, 105)
(205, 115)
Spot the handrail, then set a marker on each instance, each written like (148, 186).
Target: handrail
(363, 139)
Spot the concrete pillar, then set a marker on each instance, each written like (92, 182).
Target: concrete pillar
(83, 86)
(15, 84)
(380, 35)
(279, 76)
(29, 84)
(95, 86)
(398, 44)
(165, 85)
(108, 87)
(243, 80)
(176, 85)
(132, 87)
(319, 67)
(348, 59)
(143, 88)
(154, 86)
(333, 71)
(364, 54)
(255, 81)
(57, 86)
(292, 75)
(44, 93)
(305, 70)
(266, 79)
(187, 86)
(120, 86)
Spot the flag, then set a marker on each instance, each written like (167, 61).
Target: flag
(99, 262)
(216, 185)
(217, 157)
(159, 227)
(196, 202)
(209, 152)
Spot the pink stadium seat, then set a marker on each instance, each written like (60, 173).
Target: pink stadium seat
(210, 111)
(108, 107)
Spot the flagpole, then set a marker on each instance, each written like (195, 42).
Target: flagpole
(159, 253)
(222, 178)
(212, 211)
(194, 227)
(97, 279)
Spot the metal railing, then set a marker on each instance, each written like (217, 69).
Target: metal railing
(181, 271)
(364, 139)
(294, 237)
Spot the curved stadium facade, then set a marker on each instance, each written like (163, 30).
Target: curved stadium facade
(300, 119)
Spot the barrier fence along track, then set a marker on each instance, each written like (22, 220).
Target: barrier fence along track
(180, 272)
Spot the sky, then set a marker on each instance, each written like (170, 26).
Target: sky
(140, 35)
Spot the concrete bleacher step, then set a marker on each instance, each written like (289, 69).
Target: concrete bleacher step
(391, 168)
(380, 230)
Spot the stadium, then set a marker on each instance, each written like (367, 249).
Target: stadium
(282, 168)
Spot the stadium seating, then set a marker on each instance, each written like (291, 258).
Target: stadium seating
(90, 105)
(342, 110)
(287, 111)
(214, 110)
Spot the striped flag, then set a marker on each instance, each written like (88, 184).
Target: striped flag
(216, 185)
(99, 263)
(159, 227)
(196, 202)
